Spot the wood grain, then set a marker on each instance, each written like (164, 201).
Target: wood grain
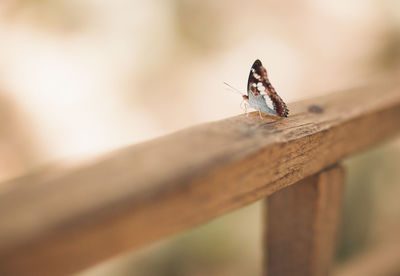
(302, 224)
(59, 223)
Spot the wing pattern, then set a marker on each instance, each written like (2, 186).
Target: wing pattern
(258, 83)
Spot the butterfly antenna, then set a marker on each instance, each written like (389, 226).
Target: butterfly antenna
(233, 88)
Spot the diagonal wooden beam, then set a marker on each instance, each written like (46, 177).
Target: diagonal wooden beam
(58, 222)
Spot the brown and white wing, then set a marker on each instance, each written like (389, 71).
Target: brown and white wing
(258, 83)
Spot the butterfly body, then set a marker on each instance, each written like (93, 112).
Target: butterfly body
(259, 87)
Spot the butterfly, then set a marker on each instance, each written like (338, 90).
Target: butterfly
(258, 88)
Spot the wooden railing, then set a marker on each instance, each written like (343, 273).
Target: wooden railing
(56, 222)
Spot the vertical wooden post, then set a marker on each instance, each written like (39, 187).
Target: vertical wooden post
(302, 221)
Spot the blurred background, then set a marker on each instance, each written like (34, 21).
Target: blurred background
(80, 78)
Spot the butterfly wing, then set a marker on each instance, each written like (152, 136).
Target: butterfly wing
(259, 84)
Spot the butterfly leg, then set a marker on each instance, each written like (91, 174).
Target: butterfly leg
(244, 106)
(241, 106)
(259, 113)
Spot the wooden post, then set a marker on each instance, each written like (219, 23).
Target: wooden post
(302, 222)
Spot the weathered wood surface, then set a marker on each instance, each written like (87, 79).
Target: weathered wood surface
(55, 224)
(302, 224)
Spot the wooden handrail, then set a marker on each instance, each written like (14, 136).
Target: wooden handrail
(61, 222)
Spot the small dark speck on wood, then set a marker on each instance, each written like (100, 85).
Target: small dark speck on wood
(315, 109)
